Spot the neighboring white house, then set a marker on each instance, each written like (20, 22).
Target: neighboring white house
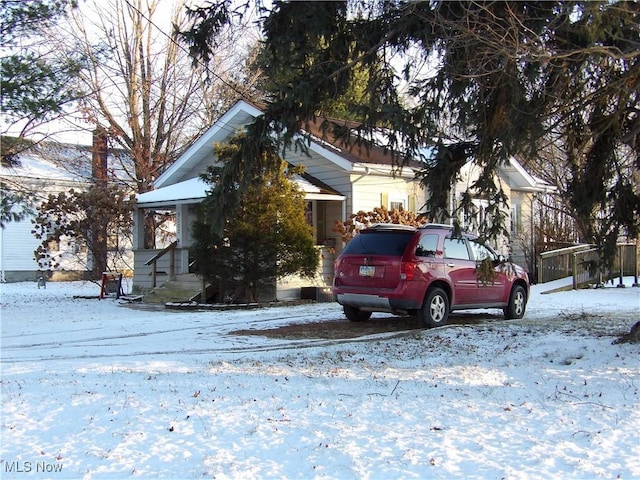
(44, 169)
(337, 183)
(522, 190)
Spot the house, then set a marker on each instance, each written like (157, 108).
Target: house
(51, 168)
(523, 191)
(337, 182)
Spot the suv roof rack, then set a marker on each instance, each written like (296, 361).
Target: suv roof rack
(392, 226)
(436, 225)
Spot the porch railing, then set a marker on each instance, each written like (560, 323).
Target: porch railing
(557, 264)
(581, 263)
(153, 261)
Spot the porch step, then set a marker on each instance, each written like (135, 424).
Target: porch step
(181, 289)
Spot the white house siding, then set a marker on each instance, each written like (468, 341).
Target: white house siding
(520, 189)
(143, 273)
(522, 230)
(17, 258)
(50, 170)
(16, 241)
(366, 185)
(370, 191)
(289, 287)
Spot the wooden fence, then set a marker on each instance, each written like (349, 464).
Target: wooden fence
(581, 263)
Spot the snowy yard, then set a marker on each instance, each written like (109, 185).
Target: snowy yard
(95, 389)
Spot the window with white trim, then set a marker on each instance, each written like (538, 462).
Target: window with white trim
(398, 202)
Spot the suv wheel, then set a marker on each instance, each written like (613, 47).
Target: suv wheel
(517, 303)
(435, 309)
(355, 314)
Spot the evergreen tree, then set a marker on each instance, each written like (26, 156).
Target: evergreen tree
(35, 87)
(36, 83)
(266, 238)
(486, 81)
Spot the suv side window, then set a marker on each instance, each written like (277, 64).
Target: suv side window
(480, 251)
(456, 248)
(427, 246)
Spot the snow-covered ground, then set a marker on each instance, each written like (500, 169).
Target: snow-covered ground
(95, 389)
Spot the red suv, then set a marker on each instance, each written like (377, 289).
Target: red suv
(426, 271)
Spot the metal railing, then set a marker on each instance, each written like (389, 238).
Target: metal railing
(582, 264)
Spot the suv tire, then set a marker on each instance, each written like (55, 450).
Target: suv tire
(355, 314)
(435, 309)
(517, 303)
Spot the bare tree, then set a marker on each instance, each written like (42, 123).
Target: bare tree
(142, 87)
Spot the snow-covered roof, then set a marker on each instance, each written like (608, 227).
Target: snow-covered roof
(66, 166)
(63, 163)
(195, 190)
(520, 179)
(189, 191)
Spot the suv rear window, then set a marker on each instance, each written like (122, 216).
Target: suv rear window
(379, 243)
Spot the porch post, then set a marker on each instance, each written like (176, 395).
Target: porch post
(183, 235)
(138, 228)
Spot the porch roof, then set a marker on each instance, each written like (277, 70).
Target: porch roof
(520, 179)
(195, 190)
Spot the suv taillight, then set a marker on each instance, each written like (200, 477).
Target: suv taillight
(408, 270)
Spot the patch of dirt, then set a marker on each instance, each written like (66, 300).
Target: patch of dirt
(344, 329)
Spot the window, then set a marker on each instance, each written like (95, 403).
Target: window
(476, 215)
(53, 245)
(456, 248)
(379, 243)
(308, 213)
(398, 205)
(398, 202)
(427, 246)
(480, 252)
(112, 242)
(78, 247)
(516, 219)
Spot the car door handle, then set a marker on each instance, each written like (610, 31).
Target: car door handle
(451, 264)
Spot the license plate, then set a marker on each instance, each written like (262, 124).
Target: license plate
(367, 271)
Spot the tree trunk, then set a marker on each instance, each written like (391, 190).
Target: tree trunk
(632, 337)
(99, 228)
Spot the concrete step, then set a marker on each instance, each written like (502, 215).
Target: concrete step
(187, 281)
(181, 289)
(160, 295)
